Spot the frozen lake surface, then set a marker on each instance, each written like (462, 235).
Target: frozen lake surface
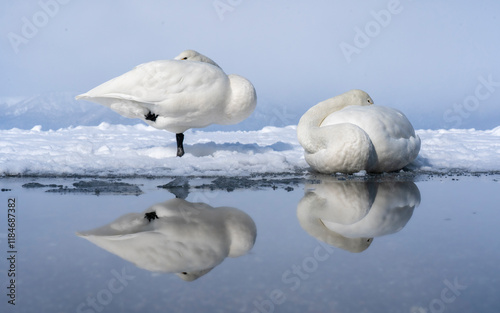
(383, 243)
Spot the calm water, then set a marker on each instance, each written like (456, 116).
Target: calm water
(328, 245)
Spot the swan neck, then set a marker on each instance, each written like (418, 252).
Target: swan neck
(316, 115)
(310, 122)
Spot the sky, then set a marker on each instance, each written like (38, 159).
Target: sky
(436, 61)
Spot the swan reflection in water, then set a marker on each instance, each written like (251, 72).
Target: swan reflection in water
(349, 214)
(177, 236)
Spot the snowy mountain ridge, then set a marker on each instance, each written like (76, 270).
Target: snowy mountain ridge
(54, 111)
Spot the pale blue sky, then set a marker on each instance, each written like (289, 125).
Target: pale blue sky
(430, 59)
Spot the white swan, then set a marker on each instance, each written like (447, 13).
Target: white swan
(177, 236)
(391, 208)
(191, 91)
(349, 215)
(343, 202)
(347, 133)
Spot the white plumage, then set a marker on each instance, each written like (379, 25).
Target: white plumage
(349, 215)
(190, 91)
(185, 238)
(347, 133)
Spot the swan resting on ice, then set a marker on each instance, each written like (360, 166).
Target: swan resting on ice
(348, 134)
(190, 91)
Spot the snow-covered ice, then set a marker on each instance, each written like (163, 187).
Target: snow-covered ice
(141, 150)
(465, 150)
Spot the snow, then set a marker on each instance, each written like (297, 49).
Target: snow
(459, 149)
(140, 150)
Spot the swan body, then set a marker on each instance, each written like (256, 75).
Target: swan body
(184, 237)
(349, 215)
(190, 91)
(392, 205)
(347, 133)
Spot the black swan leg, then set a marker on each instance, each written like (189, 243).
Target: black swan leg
(180, 147)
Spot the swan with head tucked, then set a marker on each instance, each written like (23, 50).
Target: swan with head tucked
(349, 214)
(190, 91)
(177, 236)
(347, 133)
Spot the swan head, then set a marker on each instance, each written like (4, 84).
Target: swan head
(190, 276)
(357, 97)
(191, 55)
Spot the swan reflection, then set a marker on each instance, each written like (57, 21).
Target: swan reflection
(349, 214)
(177, 236)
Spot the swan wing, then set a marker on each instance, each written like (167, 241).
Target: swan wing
(391, 211)
(168, 88)
(391, 133)
(376, 120)
(154, 82)
(154, 251)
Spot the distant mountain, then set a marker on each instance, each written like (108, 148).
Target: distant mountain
(266, 114)
(61, 110)
(54, 111)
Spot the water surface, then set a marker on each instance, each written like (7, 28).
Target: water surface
(322, 244)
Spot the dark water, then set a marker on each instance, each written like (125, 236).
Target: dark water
(323, 245)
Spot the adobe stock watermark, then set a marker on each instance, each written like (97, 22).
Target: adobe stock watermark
(31, 26)
(293, 277)
(225, 6)
(484, 90)
(373, 28)
(104, 297)
(448, 295)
